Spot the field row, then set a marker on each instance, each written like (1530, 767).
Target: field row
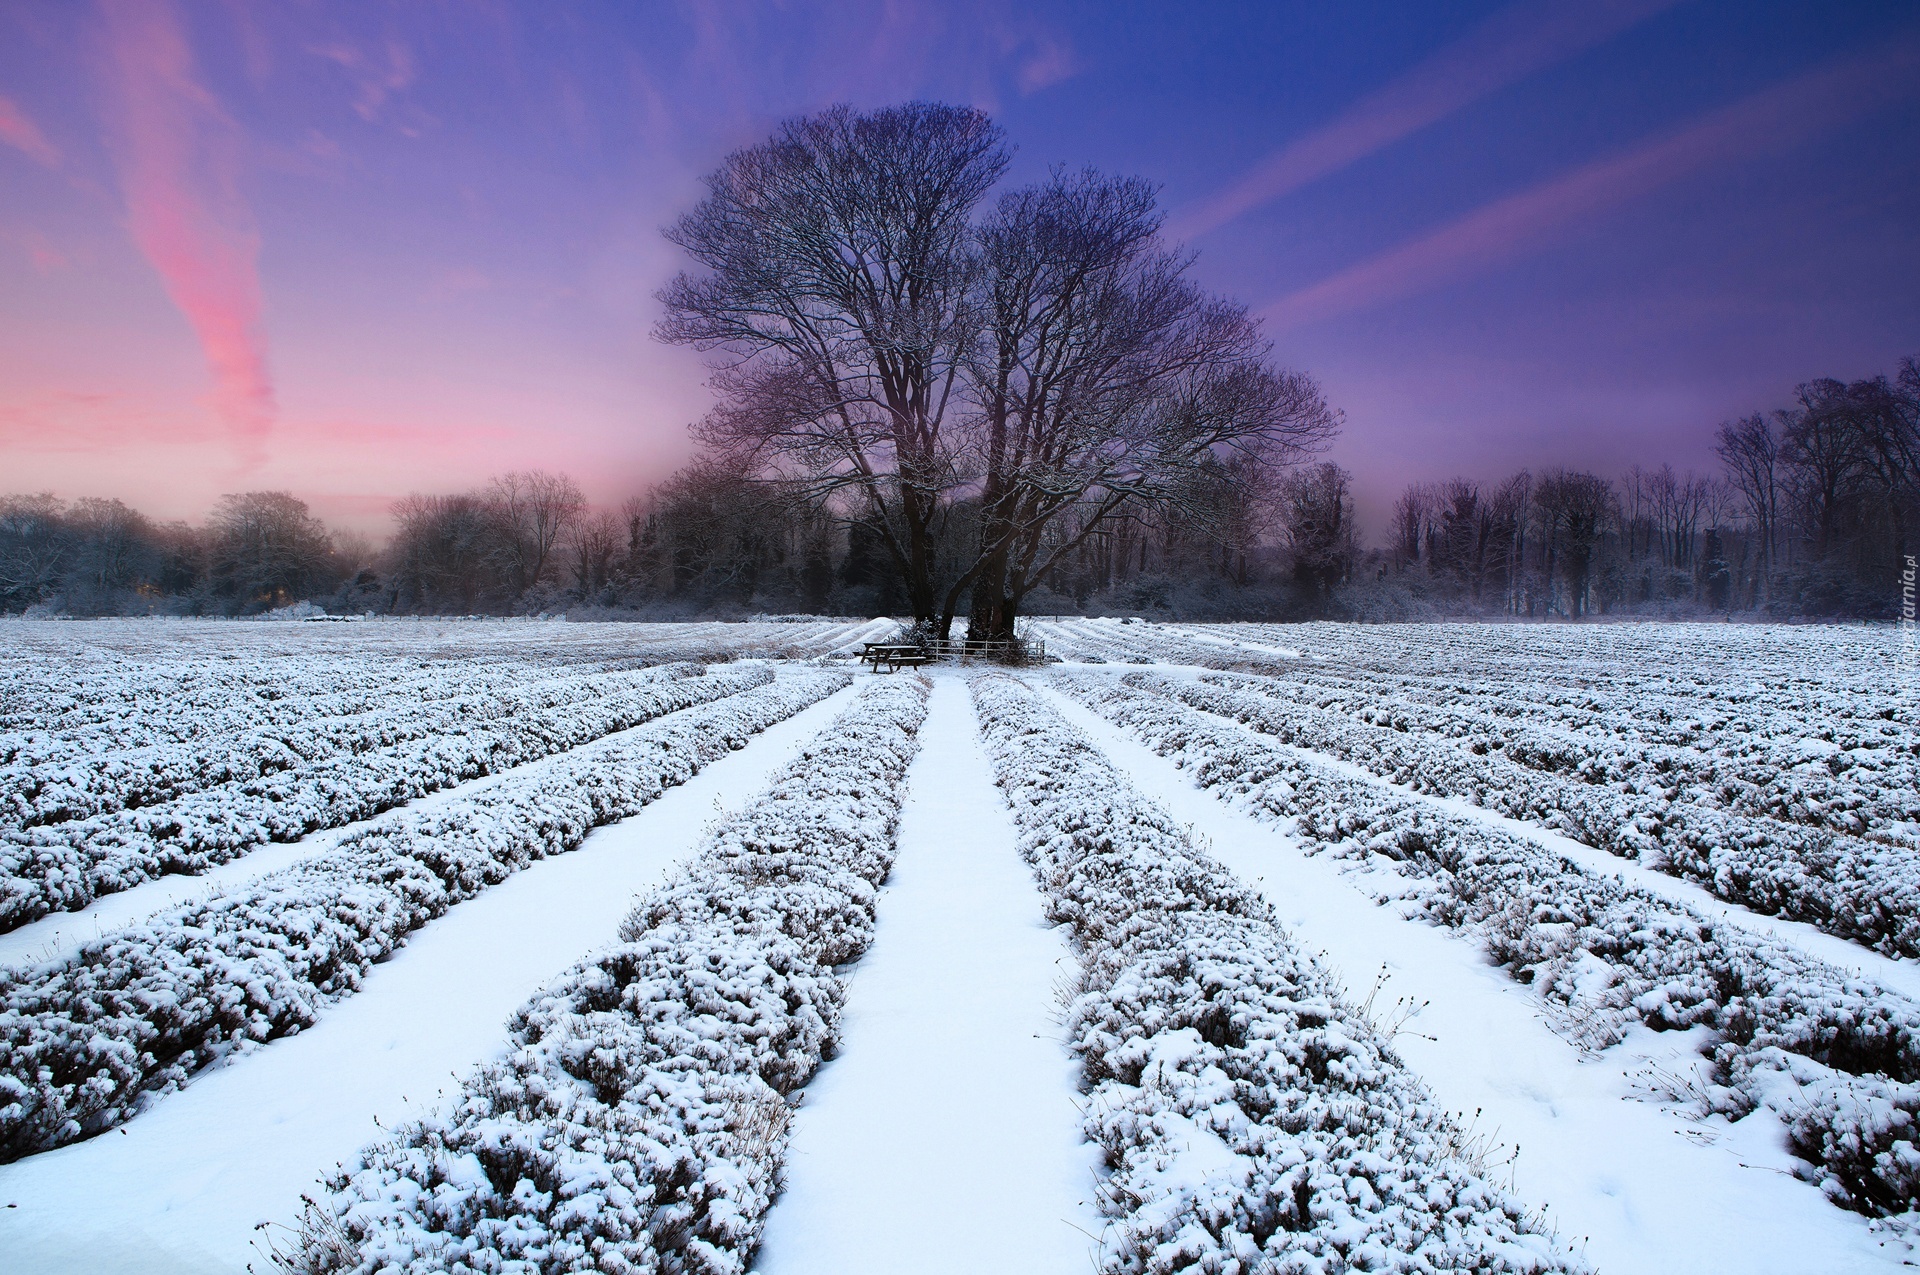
(1836, 1057)
(1856, 889)
(89, 1038)
(638, 1119)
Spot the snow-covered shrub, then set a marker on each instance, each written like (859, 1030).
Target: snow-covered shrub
(1251, 1120)
(638, 1120)
(49, 780)
(1857, 889)
(355, 772)
(1823, 1048)
(87, 1040)
(1859, 778)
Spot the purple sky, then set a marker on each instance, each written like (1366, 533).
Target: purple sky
(359, 249)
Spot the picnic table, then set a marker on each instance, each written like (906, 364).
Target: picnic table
(894, 655)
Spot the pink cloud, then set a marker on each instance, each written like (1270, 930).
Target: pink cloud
(177, 153)
(1510, 45)
(376, 78)
(21, 133)
(1051, 62)
(1772, 119)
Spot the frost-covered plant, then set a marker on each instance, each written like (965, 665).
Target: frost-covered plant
(1251, 1120)
(1835, 1055)
(87, 1040)
(638, 1120)
(1856, 889)
(356, 773)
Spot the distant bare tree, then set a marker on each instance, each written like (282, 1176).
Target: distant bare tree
(1412, 516)
(1574, 508)
(1749, 449)
(439, 554)
(34, 546)
(595, 542)
(1317, 513)
(266, 549)
(529, 514)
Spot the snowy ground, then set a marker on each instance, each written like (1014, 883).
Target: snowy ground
(951, 1056)
(183, 1187)
(1645, 1189)
(946, 1130)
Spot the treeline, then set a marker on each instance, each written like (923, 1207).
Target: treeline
(1813, 513)
(99, 557)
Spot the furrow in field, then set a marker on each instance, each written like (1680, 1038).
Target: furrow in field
(903, 1153)
(180, 1190)
(1642, 1188)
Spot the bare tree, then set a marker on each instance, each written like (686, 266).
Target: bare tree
(980, 399)
(267, 549)
(1103, 378)
(1412, 516)
(1749, 449)
(439, 558)
(34, 546)
(838, 300)
(529, 513)
(1317, 512)
(595, 542)
(1574, 507)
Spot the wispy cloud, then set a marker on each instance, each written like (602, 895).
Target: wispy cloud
(178, 157)
(376, 76)
(1775, 118)
(21, 133)
(1050, 62)
(1512, 44)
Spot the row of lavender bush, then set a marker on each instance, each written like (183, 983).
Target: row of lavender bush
(57, 779)
(87, 1040)
(1251, 1120)
(1859, 890)
(1834, 1055)
(66, 866)
(637, 1122)
(1871, 788)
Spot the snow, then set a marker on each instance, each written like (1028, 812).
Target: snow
(1610, 1166)
(182, 1187)
(61, 933)
(1160, 1079)
(951, 1057)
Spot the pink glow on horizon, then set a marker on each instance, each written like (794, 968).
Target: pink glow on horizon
(178, 155)
(23, 134)
(1772, 118)
(1513, 43)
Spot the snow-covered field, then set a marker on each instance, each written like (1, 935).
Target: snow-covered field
(522, 946)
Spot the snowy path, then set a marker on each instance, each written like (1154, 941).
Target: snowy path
(181, 1187)
(946, 1137)
(1650, 1191)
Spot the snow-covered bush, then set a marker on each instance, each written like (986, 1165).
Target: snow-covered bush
(1856, 889)
(1836, 1055)
(638, 1120)
(1859, 779)
(1251, 1120)
(65, 866)
(49, 780)
(85, 1041)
